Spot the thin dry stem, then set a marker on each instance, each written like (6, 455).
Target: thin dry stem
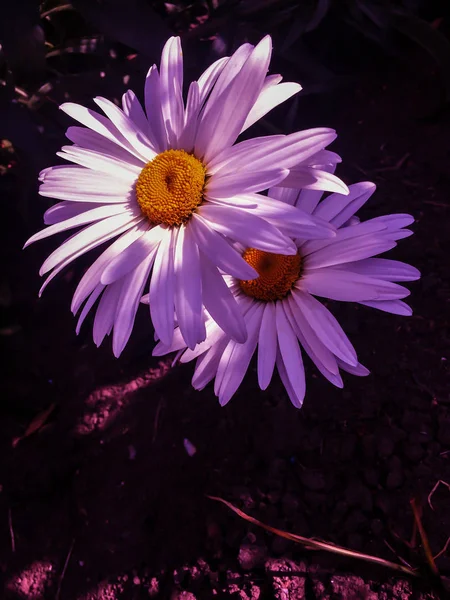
(316, 545)
(423, 536)
(430, 495)
(11, 531)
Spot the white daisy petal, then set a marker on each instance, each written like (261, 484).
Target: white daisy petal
(213, 84)
(247, 182)
(319, 353)
(236, 358)
(83, 197)
(89, 304)
(207, 364)
(218, 250)
(61, 266)
(214, 335)
(88, 216)
(325, 326)
(133, 110)
(188, 288)
(267, 346)
(133, 255)
(362, 230)
(80, 182)
(295, 396)
(106, 311)
(98, 123)
(91, 140)
(340, 284)
(162, 288)
(220, 302)
(348, 250)
(248, 229)
(285, 195)
(209, 77)
(382, 268)
(278, 151)
(91, 278)
(177, 343)
(282, 215)
(127, 304)
(127, 128)
(358, 370)
(157, 131)
(100, 162)
(268, 99)
(396, 235)
(310, 178)
(87, 239)
(396, 307)
(324, 160)
(338, 209)
(171, 84)
(65, 210)
(394, 222)
(308, 200)
(221, 126)
(290, 352)
(234, 153)
(187, 137)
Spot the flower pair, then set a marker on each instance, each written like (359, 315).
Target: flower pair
(228, 267)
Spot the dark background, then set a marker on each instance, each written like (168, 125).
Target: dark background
(103, 502)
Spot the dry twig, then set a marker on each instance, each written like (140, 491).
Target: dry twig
(423, 536)
(63, 572)
(11, 531)
(56, 9)
(37, 423)
(156, 422)
(444, 549)
(315, 544)
(430, 495)
(402, 560)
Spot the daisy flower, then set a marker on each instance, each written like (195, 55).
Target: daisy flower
(281, 311)
(175, 190)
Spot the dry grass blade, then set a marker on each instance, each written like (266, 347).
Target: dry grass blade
(444, 549)
(63, 572)
(56, 9)
(402, 560)
(430, 495)
(315, 544)
(11, 531)
(423, 536)
(36, 424)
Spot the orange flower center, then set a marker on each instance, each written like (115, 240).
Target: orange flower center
(170, 187)
(277, 274)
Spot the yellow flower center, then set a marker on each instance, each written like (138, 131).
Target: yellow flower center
(170, 187)
(277, 274)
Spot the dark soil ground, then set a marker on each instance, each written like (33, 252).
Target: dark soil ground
(103, 502)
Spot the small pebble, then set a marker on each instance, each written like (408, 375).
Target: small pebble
(313, 480)
(131, 452)
(189, 447)
(444, 432)
(252, 556)
(394, 480)
(385, 446)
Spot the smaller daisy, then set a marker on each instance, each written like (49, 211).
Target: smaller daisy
(280, 310)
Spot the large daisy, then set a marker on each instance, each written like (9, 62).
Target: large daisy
(175, 190)
(281, 311)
